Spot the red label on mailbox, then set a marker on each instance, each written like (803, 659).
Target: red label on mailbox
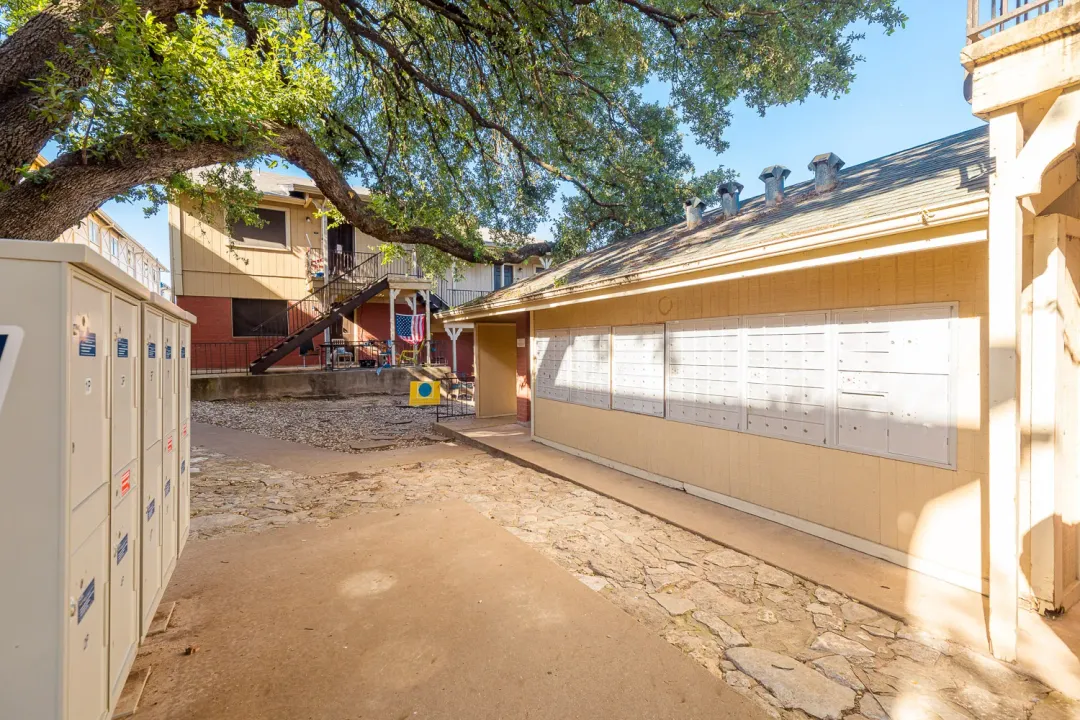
(169, 444)
(125, 483)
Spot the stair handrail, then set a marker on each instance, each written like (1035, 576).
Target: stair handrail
(315, 304)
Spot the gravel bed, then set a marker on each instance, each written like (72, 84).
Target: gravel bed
(336, 424)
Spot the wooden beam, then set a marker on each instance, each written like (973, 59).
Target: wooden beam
(1053, 139)
(1005, 286)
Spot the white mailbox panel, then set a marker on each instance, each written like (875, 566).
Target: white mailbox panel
(553, 365)
(184, 385)
(88, 383)
(184, 496)
(637, 362)
(87, 656)
(590, 370)
(151, 377)
(124, 351)
(704, 372)
(123, 590)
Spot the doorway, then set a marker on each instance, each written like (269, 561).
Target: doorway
(496, 369)
(341, 244)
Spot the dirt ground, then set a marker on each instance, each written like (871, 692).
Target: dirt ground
(794, 649)
(335, 424)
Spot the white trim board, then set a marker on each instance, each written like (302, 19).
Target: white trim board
(896, 557)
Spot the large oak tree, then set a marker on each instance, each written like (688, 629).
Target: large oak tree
(457, 114)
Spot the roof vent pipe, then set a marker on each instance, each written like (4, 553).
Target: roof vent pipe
(694, 208)
(826, 167)
(774, 178)
(729, 198)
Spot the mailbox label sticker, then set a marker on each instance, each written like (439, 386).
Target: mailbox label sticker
(183, 351)
(121, 549)
(125, 483)
(121, 347)
(168, 487)
(168, 444)
(168, 352)
(183, 465)
(150, 510)
(87, 344)
(151, 350)
(86, 599)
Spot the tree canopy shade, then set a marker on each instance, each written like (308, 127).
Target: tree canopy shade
(457, 114)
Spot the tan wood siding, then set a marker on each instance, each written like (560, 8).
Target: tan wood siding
(213, 266)
(932, 514)
(496, 369)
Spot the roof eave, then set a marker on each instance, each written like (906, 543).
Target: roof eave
(928, 217)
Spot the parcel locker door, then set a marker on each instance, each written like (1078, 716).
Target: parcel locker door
(123, 590)
(151, 378)
(87, 655)
(150, 537)
(184, 386)
(183, 498)
(169, 378)
(169, 465)
(124, 347)
(88, 389)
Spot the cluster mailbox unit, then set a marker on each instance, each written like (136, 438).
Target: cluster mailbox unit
(94, 477)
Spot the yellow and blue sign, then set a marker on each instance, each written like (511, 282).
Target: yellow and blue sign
(425, 392)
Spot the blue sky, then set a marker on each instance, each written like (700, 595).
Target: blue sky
(908, 91)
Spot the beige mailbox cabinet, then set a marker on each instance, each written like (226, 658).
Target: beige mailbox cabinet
(84, 566)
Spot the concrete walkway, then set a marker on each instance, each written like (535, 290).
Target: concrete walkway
(1049, 648)
(430, 611)
(312, 460)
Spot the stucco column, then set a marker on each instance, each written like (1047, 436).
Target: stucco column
(393, 326)
(1005, 287)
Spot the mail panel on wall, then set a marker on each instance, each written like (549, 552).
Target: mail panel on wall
(637, 366)
(590, 373)
(704, 372)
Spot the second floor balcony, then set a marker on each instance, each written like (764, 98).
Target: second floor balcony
(989, 17)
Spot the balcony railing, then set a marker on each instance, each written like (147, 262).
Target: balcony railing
(322, 266)
(988, 17)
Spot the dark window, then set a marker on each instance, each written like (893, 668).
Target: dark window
(504, 276)
(272, 233)
(255, 318)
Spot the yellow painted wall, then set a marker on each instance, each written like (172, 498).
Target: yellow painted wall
(496, 369)
(212, 266)
(929, 513)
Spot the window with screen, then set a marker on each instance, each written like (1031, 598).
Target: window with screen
(259, 318)
(274, 232)
(590, 368)
(704, 374)
(637, 369)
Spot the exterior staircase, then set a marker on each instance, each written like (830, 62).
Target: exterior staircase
(302, 320)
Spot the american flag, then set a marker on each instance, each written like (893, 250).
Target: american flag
(410, 328)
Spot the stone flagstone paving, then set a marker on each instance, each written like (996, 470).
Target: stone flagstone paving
(798, 650)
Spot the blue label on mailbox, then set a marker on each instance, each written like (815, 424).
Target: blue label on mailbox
(121, 347)
(88, 344)
(151, 350)
(168, 352)
(183, 352)
(150, 510)
(121, 549)
(168, 487)
(86, 599)
(183, 465)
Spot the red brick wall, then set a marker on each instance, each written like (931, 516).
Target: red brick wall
(214, 325)
(373, 323)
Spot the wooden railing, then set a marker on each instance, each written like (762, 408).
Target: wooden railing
(988, 17)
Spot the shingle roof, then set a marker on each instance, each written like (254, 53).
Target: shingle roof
(952, 169)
